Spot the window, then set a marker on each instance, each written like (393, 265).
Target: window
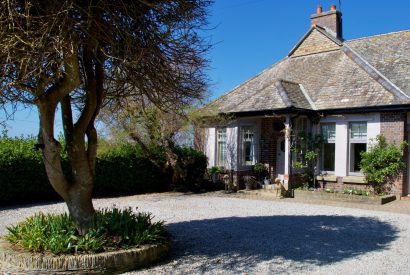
(301, 125)
(357, 144)
(221, 146)
(328, 131)
(301, 135)
(248, 145)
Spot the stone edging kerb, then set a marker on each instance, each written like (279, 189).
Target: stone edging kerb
(106, 262)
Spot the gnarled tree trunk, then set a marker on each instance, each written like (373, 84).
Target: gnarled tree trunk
(76, 186)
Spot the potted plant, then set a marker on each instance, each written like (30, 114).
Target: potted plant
(214, 173)
(250, 182)
(260, 170)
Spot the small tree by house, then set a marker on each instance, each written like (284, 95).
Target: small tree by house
(306, 148)
(383, 163)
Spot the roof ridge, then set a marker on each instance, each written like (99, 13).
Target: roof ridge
(288, 81)
(307, 96)
(373, 72)
(282, 93)
(376, 35)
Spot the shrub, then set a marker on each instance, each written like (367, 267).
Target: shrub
(112, 229)
(355, 191)
(192, 165)
(260, 170)
(121, 169)
(383, 163)
(124, 169)
(215, 170)
(22, 174)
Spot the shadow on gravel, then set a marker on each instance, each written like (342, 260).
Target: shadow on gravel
(240, 243)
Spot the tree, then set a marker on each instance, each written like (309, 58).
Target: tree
(383, 163)
(81, 55)
(306, 147)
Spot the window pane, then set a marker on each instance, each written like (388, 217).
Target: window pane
(329, 131)
(248, 151)
(358, 130)
(221, 146)
(329, 157)
(248, 145)
(355, 158)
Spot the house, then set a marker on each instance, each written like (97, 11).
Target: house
(348, 90)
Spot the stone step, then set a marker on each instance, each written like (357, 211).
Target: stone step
(269, 187)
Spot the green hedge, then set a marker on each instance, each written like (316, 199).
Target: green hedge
(22, 174)
(126, 170)
(121, 170)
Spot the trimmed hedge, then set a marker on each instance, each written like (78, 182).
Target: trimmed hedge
(121, 170)
(125, 170)
(22, 174)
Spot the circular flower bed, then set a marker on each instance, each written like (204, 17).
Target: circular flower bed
(115, 233)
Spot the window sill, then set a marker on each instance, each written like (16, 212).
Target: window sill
(327, 178)
(355, 179)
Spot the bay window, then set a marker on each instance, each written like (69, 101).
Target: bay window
(248, 146)
(221, 146)
(357, 144)
(328, 131)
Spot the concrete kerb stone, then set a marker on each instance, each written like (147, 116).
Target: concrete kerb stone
(101, 263)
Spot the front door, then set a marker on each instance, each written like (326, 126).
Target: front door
(280, 157)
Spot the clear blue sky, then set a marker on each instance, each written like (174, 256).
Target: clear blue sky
(251, 35)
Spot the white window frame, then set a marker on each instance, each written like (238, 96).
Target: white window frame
(328, 139)
(221, 144)
(355, 140)
(246, 130)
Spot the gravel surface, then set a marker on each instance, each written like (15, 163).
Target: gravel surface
(222, 234)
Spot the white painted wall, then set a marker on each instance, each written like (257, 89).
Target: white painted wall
(210, 142)
(342, 137)
(232, 146)
(341, 148)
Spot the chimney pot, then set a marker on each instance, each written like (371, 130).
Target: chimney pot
(330, 20)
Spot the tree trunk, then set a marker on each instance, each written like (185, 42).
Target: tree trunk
(76, 190)
(80, 207)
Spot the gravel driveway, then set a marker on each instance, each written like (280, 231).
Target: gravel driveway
(216, 235)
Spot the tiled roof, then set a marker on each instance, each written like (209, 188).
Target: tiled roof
(389, 54)
(373, 71)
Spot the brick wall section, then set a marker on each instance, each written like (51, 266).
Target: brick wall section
(340, 186)
(270, 131)
(330, 20)
(394, 128)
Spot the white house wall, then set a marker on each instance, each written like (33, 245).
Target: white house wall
(232, 146)
(342, 137)
(234, 151)
(210, 142)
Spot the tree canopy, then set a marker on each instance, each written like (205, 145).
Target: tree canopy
(83, 54)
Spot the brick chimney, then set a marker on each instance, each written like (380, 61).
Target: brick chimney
(330, 20)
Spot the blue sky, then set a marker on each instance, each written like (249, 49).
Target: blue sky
(251, 35)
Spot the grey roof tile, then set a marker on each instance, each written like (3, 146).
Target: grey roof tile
(330, 79)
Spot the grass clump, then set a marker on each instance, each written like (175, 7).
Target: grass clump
(112, 229)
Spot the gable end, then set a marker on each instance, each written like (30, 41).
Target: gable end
(316, 40)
